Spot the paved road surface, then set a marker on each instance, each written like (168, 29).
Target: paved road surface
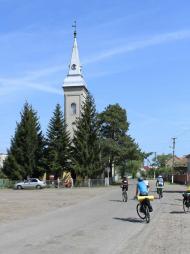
(102, 224)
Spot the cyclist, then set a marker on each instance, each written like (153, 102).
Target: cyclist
(143, 191)
(159, 183)
(124, 184)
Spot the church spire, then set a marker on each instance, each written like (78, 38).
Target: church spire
(75, 31)
(74, 77)
(75, 89)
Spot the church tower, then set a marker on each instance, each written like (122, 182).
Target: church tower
(75, 89)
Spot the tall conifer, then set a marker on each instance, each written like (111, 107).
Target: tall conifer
(58, 144)
(86, 146)
(25, 156)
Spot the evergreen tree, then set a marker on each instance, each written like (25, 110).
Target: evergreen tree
(86, 145)
(58, 144)
(117, 146)
(25, 156)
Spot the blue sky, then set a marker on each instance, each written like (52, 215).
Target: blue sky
(135, 53)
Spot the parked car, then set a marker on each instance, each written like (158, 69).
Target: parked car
(30, 183)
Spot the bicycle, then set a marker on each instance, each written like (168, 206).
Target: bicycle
(143, 208)
(124, 195)
(186, 202)
(160, 191)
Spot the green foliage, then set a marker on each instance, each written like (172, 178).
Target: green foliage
(163, 171)
(129, 167)
(86, 145)
(113, 122)
(2, 175)
(130, 150)
(25, 156)
(146, 155)
(117, 146)
(58, 145)
(161, 160)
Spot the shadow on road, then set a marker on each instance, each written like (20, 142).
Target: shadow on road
(176, 212)
(116, 200)
(133, 220)
(173, 191)
(179, 199)
(170, 204)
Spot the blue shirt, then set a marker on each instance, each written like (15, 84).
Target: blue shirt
(142, 188)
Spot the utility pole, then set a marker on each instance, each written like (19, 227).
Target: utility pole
(155, 164)
(173, 159)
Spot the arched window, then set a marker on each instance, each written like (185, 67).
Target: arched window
(73, 108)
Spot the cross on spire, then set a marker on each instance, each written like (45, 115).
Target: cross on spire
(75, 28)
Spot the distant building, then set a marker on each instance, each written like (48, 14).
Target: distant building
(180, 164)
(2, 159)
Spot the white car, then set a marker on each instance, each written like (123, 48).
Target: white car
(30, 184)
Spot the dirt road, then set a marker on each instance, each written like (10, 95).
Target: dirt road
(82, 221)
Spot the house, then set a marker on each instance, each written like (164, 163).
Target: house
(2, 159)
(180, 164)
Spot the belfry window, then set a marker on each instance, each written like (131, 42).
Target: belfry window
(73, 108)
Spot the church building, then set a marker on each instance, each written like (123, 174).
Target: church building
(75, 89)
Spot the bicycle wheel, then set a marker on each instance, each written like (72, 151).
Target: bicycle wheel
(160, 194)
(186, 206)
(140, 214)
(147, 214)
(124, 196)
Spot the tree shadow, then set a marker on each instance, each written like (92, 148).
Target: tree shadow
(179, 199)
(130, 219)
(177, 212)
(173, 191)
(116, 200)
(170, 204)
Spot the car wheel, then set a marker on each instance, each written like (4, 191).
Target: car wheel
(19, 187)
(38, 187)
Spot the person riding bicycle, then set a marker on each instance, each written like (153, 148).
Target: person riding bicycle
(142, 190)
(159, 182)
(124, 184)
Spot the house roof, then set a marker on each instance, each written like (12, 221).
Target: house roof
(178, 162)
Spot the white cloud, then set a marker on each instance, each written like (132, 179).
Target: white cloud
(8, 86)
(141, 44)
(30, 79)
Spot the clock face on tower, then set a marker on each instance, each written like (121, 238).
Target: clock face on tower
(73, 66)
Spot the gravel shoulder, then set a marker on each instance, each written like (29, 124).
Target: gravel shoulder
(23, 204)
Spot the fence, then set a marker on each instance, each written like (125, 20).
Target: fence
(6, 183)
(182, 179)
(78, 183)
